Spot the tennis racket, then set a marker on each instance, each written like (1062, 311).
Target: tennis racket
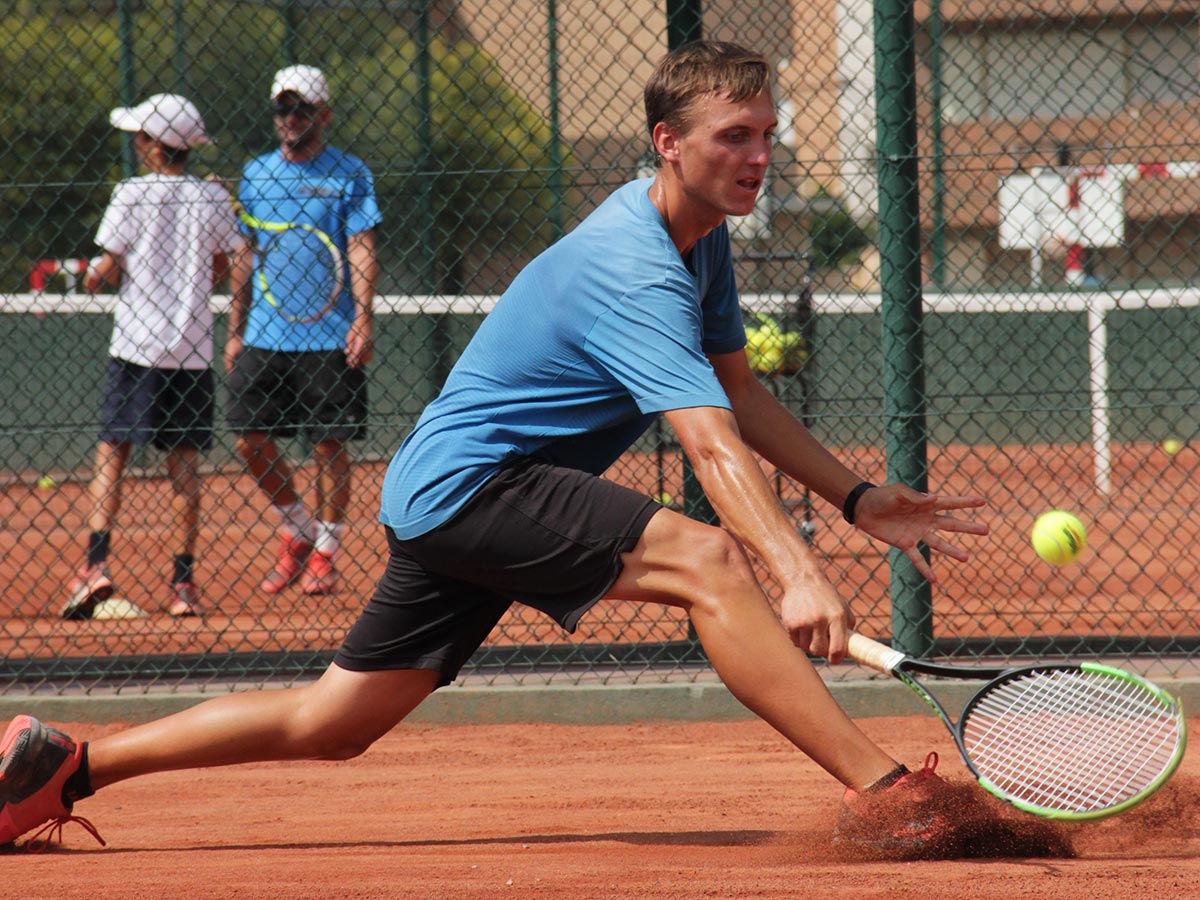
(310, 254)
(1064, 741)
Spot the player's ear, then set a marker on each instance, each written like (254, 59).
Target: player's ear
(666, 142)
(324, 115)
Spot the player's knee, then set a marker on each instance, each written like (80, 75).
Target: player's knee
(720, 567)
(336, 745)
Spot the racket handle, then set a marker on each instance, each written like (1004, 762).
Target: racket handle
(873, 654)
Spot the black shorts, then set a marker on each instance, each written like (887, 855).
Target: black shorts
(169, 408)
(536, 534)
(316, 394)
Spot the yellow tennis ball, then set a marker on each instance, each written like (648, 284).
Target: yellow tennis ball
(46, 482)
(1172, 446)
(1058, 537)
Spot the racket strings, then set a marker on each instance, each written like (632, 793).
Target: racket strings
(1072, 740)
(1118, 746)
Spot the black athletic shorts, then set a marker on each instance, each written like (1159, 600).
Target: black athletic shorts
(312, 393)
(536, 534)
(169, 408)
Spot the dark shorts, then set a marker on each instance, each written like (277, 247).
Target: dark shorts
(169, 408)
(536, 534)
(315, 394)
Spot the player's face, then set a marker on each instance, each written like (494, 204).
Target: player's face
(723, 157)
(298, 124)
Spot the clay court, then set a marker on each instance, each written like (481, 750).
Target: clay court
(652, 810)
(655, 809)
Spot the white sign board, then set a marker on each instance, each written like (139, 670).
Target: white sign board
(1033, 208)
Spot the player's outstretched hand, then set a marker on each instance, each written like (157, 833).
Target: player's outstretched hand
(904, 518)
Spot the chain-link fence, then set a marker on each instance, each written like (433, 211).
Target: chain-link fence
(972, 267)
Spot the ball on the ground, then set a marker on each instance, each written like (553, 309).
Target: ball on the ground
(118, 608)
(1172, 446)
(46, 482)
(1058, 537)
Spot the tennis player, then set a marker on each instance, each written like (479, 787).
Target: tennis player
(295, 355)
(165, 239)
(495, 497)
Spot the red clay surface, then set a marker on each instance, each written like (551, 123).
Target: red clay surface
(654, 810)
(1139, 575)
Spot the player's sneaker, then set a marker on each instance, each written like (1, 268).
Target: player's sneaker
(91, 585)
(320, 576)
(35, 763)
(908, 819)
(293, 553)
(186, 600)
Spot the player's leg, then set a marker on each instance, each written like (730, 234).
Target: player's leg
(105, 488)
(261, 403)
(701, 569)
(183, 470)
(414, 635)
(334, 396)
(187, 406)
(43, 772)
(333, 484)
(336, 718)
(126, 418)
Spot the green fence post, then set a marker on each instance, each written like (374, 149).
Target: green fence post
(937, 269)
(556, 164)
(128, 88)
(900, 254)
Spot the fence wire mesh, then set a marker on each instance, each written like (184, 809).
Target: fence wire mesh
(1057, 179)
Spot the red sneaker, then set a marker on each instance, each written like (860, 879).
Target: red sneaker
(187, 600)
(91, 585)
(35, 763)
(907, 819)
(320, 576)
(293, 553)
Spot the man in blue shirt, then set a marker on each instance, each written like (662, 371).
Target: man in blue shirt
(496, 495)
(300, 326)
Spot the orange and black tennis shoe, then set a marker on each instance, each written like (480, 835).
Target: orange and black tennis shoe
(36, 762)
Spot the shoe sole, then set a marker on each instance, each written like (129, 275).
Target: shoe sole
(81, 609)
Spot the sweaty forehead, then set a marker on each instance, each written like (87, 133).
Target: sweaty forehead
(717, 109)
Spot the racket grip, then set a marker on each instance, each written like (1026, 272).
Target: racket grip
(873, 654)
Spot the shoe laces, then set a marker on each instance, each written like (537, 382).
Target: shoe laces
(51, 832)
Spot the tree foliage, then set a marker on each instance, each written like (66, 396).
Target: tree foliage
(463, 163)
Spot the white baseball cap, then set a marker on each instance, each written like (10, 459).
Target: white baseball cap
(307, 82)
(168, 118)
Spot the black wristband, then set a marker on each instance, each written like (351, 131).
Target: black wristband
(852, 500)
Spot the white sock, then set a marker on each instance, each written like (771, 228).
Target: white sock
(296, 521)
(329, 536)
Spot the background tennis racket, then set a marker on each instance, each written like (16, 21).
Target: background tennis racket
(320, 283)
(1065, 741)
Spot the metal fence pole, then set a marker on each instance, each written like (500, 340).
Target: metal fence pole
(900, 252)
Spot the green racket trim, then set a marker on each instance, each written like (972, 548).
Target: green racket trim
(1147, 791)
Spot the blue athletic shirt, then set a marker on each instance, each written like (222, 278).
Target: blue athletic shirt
(595, 337)
(333, 192)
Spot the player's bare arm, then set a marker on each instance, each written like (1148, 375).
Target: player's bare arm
(240, 268)
(815, 617)
(104, 270)
(893, 513)
(364, 274)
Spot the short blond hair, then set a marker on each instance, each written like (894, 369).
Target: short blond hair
(696, 70)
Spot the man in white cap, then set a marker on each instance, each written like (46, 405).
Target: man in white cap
(296, 349)
(165, 239)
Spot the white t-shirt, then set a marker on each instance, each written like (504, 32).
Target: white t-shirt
(167, 228)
